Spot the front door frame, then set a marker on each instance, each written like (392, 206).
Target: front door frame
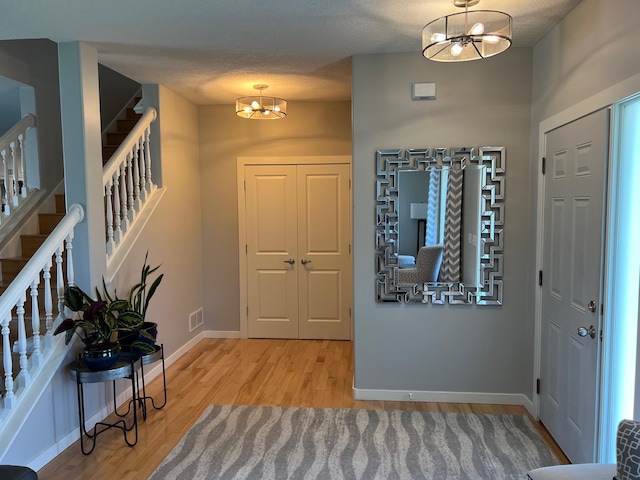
(605, 99)
(242, 229)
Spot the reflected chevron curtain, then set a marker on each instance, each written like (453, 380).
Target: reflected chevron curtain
(450, 269)
(433, 221)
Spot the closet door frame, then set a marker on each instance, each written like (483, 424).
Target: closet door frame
(242, 231)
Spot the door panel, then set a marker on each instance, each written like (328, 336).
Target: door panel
(298, 213)
(572, 252)
(271, 242)
(324, 233)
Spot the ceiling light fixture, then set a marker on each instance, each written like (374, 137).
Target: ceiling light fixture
(259, 107)
(467, 36)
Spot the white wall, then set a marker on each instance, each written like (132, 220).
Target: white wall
(431, 348)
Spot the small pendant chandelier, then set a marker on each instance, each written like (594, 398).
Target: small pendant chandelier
(461, 37)
(259, 107)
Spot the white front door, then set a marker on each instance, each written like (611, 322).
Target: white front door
(298, 251)
(576, 159)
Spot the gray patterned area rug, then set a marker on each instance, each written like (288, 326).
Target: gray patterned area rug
(252, 442)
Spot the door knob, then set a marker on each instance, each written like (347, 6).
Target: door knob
(304, 261)
(584, 331)
(291, 261)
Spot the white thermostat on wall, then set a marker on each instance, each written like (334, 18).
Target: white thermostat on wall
(423, 91)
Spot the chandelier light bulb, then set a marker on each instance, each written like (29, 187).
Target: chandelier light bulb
(247, 109)
(255, 105)
(438, 37)
(477, 29)
(456, 49)
(276, 108)
(266, 112)
(491, 39)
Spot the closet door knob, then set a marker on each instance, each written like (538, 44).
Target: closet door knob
(304, 261)
(291, 261)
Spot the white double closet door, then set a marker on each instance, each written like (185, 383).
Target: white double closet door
(298, 224)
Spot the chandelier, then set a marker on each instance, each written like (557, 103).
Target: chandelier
(468, 35)
(259, 107)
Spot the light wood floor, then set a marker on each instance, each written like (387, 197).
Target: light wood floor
(301, 373)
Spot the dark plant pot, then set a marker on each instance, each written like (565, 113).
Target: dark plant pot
(127, 338)
(102, 356)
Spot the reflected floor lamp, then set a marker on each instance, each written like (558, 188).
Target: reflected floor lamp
(419, 212)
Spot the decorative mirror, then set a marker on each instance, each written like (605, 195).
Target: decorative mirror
(439, 225)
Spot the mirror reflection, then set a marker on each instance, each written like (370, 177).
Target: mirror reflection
(437, 217)
(440, 208)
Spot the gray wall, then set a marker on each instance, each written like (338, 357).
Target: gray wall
(10, 112)
(442, 348)
(115, 91)
(318, 128)
(35, 63)
(594, 48)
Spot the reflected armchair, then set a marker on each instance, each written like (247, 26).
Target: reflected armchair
(426, 270)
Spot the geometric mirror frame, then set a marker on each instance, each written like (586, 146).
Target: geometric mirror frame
(481, 206)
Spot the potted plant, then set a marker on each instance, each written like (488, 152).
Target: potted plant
(141, 338)
(96, 322)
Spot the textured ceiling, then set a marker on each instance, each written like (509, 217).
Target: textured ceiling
(212, 51)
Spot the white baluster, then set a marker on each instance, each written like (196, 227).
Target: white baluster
(143, 170)
(36, 355)
(123, 194)
(130, 210)
(108, 205)
(13, 183)
(117, 221)
(70, 271)
(6, 205)
(23, 376)
(60, 282)
(7, 362)
(147, 158)
(48, 304)
(21, 171)
(136, 175)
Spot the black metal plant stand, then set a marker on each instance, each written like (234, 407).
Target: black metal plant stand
(126, 367)
(142, 400)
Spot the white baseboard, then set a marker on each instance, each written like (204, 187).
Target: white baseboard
(222, 334)
(443, 397)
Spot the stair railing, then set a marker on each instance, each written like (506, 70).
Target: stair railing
(55, 250)
(128, 181)
(13, 184)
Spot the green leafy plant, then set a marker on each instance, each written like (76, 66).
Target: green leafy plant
(139, 297)
(135, 305)
(95, 321)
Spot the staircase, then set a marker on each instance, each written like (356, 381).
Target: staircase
(112, 140)
(130, 196)
(29, 243)
(11, 266)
